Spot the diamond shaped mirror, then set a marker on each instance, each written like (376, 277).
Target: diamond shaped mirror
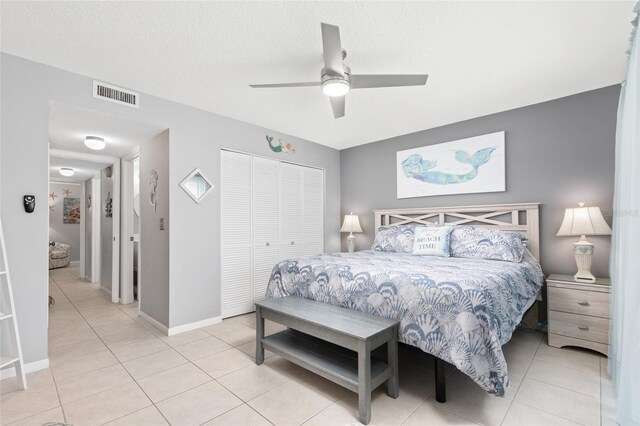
(197, 185)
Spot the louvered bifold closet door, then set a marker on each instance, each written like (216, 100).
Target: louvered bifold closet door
(291, 236)
(313, 210)
(266, 220)
(235, 233)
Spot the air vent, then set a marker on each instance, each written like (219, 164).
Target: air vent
(116, 94)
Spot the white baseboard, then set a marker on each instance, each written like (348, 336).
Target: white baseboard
(172, 331)
(105, 291)
(74, 263)
(157, 324)
(28, 368)
(193, 326)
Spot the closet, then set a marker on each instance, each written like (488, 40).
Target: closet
(270, 211)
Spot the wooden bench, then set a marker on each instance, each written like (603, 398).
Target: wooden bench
(334, 342)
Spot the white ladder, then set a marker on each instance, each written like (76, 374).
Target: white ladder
(13, 355)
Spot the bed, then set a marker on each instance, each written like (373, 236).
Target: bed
(460, 310)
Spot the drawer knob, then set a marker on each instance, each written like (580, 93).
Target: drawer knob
(583, 327)
(268, 244)
(583, 303)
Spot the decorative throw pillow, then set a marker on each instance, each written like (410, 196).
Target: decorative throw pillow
(486, 243)
(396, 238)
(432, 241)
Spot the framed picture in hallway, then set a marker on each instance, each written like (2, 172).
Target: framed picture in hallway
(71, 211)
(464, 166)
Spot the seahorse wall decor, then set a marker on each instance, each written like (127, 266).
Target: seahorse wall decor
(418, 168)
(153, 188)
(281, 147)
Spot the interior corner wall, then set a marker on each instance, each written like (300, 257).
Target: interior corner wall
(196, 139)
(558, 153)
(106, 231)
(154, 242)
(60, 232)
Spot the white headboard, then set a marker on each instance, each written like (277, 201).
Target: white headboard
(521, 217)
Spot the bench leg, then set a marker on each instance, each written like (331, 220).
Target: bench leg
(441, 383)
(364, 382)
(259, 336)
(393, 385)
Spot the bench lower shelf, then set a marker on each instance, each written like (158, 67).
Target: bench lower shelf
(330, 361)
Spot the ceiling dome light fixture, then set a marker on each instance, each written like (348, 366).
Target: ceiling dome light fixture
(95, 143)
(67, 171)
(336, 87)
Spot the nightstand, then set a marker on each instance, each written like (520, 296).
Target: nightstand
(578, 313)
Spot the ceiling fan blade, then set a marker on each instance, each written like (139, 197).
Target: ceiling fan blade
(337, 105)
(332, 50)
(269, 86)
(366, 81)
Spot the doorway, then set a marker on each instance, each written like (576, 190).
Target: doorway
(130, 229)
(110, 244)
(84, 199)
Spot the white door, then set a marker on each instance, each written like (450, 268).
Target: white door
(313, 211)
(235, 233)
(291, 236)
(266, 219)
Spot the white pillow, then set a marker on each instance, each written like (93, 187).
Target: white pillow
(432, 241)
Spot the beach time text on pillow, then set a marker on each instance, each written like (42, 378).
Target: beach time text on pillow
(432, 241)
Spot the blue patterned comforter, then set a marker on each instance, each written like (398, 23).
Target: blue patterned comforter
(461, 310)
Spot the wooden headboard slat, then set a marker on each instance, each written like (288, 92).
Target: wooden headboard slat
(487, 216)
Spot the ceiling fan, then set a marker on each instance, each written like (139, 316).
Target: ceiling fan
(336, 79)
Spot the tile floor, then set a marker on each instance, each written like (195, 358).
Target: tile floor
(108, 366)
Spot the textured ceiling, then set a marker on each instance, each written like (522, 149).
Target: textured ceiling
(68, 126)
(482, 57)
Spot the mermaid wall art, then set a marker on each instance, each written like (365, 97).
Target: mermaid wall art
(464, 166)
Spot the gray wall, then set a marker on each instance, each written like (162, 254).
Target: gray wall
(154, 243)
(558, 153)
(196, 139)
(65, 232)
(106, 232)
(88, 223)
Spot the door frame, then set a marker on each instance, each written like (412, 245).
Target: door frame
(115, 163)
(126, 230)
(95, 228)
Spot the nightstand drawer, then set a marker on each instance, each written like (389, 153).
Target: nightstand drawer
(579, 326)
(582, 302)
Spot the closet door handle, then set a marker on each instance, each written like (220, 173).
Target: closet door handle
(583, 327)
(583, 303)
(267, 243)
(293, 242)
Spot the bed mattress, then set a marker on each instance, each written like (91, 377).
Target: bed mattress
(461, 310)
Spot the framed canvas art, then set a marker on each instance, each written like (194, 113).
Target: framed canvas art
(464, 166)
(71, 210)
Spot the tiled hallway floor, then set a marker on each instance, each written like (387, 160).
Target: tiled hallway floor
(110, 367)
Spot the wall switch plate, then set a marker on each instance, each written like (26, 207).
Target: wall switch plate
(162, 223)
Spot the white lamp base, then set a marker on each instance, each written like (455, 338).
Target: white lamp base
(351, 243)
(583, 251)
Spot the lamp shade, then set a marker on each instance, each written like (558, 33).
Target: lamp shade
(351, 223)
(583, 221)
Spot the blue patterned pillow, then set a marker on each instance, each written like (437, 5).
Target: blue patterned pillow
(432, 241)
(396, 238)
(486, 243)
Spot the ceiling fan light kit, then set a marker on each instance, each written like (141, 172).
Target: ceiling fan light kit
(336, 79)
(336, 87)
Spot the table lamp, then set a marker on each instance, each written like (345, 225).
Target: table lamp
(583, 221)
(351, 224)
